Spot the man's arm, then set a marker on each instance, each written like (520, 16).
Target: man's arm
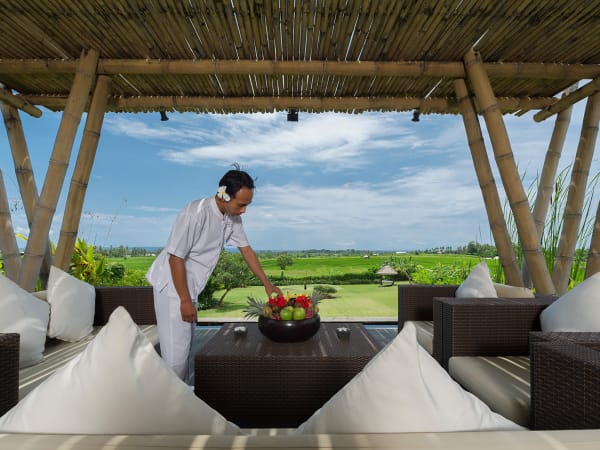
(254, 265)
(187, 308)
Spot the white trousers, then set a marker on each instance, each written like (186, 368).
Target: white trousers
(174, 334)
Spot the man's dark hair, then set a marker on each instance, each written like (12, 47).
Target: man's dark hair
(234, 180)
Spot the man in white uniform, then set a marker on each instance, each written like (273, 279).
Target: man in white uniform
(181, 270)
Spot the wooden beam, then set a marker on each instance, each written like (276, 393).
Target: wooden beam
(310, 104)
(81, 174)
(350, 68)
(491, 199)
(19, 102)
(576, 195)
(59, 161)
(585, 91)
(509, 173)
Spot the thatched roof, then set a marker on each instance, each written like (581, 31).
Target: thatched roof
(387, 270)
(313, 55)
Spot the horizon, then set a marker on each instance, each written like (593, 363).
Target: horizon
(330, 181)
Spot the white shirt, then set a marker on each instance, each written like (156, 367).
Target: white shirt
(198, 236)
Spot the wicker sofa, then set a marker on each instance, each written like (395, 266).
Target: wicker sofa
(415, 304)
(138, 301)
(495, 349)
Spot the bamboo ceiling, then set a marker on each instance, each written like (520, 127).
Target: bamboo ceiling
(313, 55)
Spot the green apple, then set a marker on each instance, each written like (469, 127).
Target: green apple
(299, 313)
(287, 313)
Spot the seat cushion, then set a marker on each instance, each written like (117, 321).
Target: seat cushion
(501, 382)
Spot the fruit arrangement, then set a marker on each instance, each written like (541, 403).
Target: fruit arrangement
(283, 307)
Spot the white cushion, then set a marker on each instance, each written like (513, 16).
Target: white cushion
(72, 306)
(117, 385)
(577, 310)
(508, 291)
(478, 284)
(21, 312)
(403, 389)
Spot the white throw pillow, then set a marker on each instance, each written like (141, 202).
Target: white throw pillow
(21, 312)
(117, 385)
(577, 310)
(508, 291)
(403, 389)
(72, 306)
(478, 284)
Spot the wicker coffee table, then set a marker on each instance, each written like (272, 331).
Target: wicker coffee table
(255, 382)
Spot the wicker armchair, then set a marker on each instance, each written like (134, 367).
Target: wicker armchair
(415, 301)
(484, 326)
(565, 380)
(139, 302)
(563, 369)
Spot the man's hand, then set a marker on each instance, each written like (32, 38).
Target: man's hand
(271, 289)
(188, 312)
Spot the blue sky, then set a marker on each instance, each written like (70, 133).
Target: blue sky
(368, 181)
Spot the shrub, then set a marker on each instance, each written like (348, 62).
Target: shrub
(324, 291)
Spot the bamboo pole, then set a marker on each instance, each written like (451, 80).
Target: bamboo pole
(593, 259)
(576, 194)
(487, 184)
(508, 171)
(57, 167)
(548, 178)
(81, 173)
(24, 175)
(8, 240)
(585, 91)
(109, 66)
(19, 102)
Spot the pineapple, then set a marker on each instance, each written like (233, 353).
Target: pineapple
(255, 308)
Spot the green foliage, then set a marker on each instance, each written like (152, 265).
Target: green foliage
(324, 291)
(206, 299)
(231, 272)
(85, 264)
(284, 261)
(454, 273)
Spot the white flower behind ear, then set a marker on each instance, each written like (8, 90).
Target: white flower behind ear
(222, 193)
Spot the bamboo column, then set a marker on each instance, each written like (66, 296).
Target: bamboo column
(508, 171)
(57, 167)
(487, 184)
(8, 240)
(24, 175)
(576, 194)
(548, 177)
(593, 260)
(81, 173)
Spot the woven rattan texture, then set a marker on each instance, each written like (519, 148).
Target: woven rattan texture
(255, 382)
(485, 326)
(415, 301)
(9, 371)
(138, 301)
(565, 380)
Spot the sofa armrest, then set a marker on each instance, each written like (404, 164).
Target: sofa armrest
(138, 301)
(484, 326)
(565, 380)
(415, 301)
(9, 372)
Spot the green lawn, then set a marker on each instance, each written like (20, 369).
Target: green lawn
(364, 300)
